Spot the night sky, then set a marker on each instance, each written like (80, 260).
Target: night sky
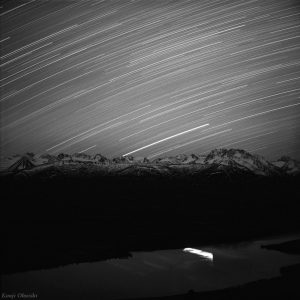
(151, 77)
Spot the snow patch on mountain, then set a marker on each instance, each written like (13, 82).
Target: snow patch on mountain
(181, 159)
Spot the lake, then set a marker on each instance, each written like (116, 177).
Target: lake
(156, 273)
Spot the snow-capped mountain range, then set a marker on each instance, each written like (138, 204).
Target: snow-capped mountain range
(220, 159)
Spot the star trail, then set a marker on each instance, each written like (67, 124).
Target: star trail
(150, 77)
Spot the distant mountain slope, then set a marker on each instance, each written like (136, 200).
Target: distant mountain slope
(240, 159)
(218, 160)
(287, 165)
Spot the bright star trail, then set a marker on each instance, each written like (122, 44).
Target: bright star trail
(150, 77)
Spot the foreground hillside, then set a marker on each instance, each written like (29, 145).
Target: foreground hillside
(74, 212)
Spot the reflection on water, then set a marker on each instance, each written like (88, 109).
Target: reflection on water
(201, 253)
(156, 273)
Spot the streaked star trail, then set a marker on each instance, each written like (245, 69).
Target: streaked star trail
(150, 77)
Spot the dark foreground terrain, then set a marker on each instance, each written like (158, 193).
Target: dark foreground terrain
(285, 286)
(59, 215)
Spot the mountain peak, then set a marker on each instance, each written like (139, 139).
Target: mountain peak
(241, 159)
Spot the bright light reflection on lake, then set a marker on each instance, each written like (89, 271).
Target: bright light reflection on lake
(204, 254)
